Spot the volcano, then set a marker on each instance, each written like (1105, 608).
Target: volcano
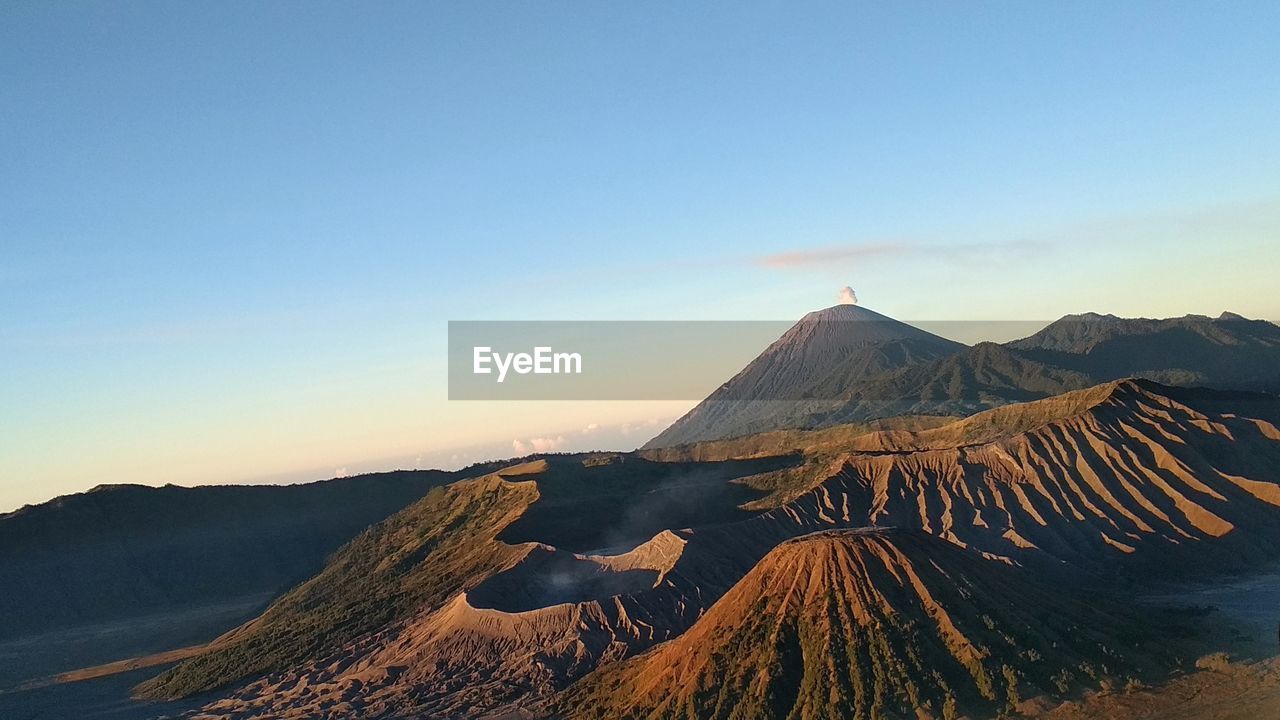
(467, 603)
(879, 623)
(831, 348)
(847, 364)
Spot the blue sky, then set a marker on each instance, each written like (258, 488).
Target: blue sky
(232, 233)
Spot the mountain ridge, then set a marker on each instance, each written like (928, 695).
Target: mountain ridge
(882, 623)
(815, 353)
(1072, 353)
(123, 550)
(1100, 488)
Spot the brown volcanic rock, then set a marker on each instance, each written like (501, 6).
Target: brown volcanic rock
(418, 558)
(871, 623)
(466, 659)
(1127, 480)
(1128, 469)
(411, 587)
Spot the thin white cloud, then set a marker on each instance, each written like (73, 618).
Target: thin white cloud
(825, 255)
(538, 445)
(546, 444)
(845, 256)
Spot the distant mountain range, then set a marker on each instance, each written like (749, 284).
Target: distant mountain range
(849, 364)
(977, 541)
(120, 551)
(751, 614)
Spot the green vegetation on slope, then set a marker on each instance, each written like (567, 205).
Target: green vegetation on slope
(458, 536)
(824, 441)
(414, 560)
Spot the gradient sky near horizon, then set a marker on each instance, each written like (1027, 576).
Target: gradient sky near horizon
(232, 234)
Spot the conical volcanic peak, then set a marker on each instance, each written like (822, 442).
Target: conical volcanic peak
(870, 623)
(848, 364)
(820, 342)
(811, 362)
(849, 326)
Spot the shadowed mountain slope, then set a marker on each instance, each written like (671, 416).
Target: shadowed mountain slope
(612, 502)
(1127, 481)
(120, 551)
(1227, 352)
(415, 559)
(877, 624)
(977, 378)
(1130, 469)
(1073, 353)
(457, 538)
(825, 349)
(466, 658)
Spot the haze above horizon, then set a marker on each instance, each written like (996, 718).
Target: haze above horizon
(231, 235)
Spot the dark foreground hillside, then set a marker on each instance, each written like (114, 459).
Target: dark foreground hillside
(122, 551)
